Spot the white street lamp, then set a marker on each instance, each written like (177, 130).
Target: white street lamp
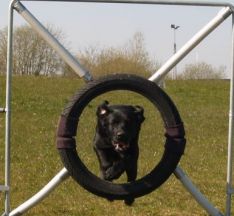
(174, 27)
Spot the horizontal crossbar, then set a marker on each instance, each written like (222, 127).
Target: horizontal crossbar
(230, 190)
(168, 2)
(4, 188)
(2, 110)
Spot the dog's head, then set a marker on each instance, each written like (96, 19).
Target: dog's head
(120, 124)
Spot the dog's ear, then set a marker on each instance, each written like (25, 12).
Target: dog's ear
(103, 109)
(139, 111)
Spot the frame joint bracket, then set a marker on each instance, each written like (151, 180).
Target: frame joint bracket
(4, 188)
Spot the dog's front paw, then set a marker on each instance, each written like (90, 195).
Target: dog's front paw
(108, 175)
(111, 174)
(114, 172)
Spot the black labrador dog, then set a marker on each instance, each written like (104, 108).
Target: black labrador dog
(116, 140)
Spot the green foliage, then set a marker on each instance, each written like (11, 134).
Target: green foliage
(36, 105)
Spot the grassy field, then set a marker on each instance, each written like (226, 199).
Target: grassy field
(36, 105)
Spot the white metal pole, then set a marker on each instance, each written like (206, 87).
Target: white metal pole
(52, 41)
(231, 131)
(8, 108)
(43, 193)
(198, 196)
(193, 42)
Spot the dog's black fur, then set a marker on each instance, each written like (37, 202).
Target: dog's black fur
(116, 140)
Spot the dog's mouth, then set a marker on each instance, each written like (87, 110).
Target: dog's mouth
(120, 146)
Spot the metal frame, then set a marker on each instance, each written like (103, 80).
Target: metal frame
(16, 5)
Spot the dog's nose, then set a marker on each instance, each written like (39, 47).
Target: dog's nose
(120, 135)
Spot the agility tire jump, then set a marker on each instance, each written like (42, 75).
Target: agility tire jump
(174, 135)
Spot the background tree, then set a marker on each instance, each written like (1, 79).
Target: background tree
(32, 55)
(202, 70)
(3, 50)
(131, 58)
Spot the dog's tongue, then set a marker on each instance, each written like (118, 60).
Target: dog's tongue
(120, 146)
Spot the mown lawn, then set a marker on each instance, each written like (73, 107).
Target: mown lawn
(36, 105)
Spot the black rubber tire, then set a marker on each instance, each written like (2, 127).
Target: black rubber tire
(174, 147)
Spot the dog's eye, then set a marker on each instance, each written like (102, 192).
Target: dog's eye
(127, 121)
(115, 122)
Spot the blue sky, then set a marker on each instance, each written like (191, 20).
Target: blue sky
(104, 25)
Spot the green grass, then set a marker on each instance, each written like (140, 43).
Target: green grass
(36, 105)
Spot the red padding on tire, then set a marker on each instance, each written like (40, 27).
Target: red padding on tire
(66, 143)
(175, 141)
(175, 131)
(67, 126)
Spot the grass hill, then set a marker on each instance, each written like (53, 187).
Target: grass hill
(36, 105)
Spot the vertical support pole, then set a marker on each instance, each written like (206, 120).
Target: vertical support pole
(231, 130)
(8, 108)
